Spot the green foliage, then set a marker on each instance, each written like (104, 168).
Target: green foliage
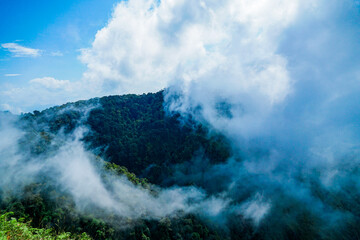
(123, 171)
(134, 131)
(10, 228)
(47, 208)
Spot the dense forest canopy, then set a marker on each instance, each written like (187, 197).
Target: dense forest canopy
(132, 131)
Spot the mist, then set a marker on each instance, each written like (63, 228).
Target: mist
(79, 173)
(287, 97)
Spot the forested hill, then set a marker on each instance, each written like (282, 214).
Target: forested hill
(129, 135)
(133, 131)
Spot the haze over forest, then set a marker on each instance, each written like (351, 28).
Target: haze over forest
(180, 119)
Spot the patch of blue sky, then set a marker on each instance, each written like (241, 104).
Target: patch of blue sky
(58, 28)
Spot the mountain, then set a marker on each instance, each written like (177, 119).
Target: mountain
(133, 131)
(128, 135)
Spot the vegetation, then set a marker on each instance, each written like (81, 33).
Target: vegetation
(55, 216)
(135, 136)
(132, 131)
(138, 133)
(50, 209)
(13, 229)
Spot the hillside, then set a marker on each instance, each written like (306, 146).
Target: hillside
(133, 131)
(128, 135)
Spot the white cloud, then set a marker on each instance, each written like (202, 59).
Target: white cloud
(40, 93)
(20, 51)
(147, 45)
(56, 54)
(52, 83)
(12, 74)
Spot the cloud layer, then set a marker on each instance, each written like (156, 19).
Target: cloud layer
(147, 44)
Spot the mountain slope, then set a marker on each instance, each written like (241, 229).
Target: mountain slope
(134, 131)
(133, 134)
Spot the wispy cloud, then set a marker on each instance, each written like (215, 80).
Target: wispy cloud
(12, 74)
(21, 51)
(56, 54)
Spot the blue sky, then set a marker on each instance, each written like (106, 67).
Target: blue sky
(57, 28)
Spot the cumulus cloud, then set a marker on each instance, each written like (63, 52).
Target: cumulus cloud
(144, 45)
(278, 78)
(52, 83)
(147, 44)
(21, 51)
